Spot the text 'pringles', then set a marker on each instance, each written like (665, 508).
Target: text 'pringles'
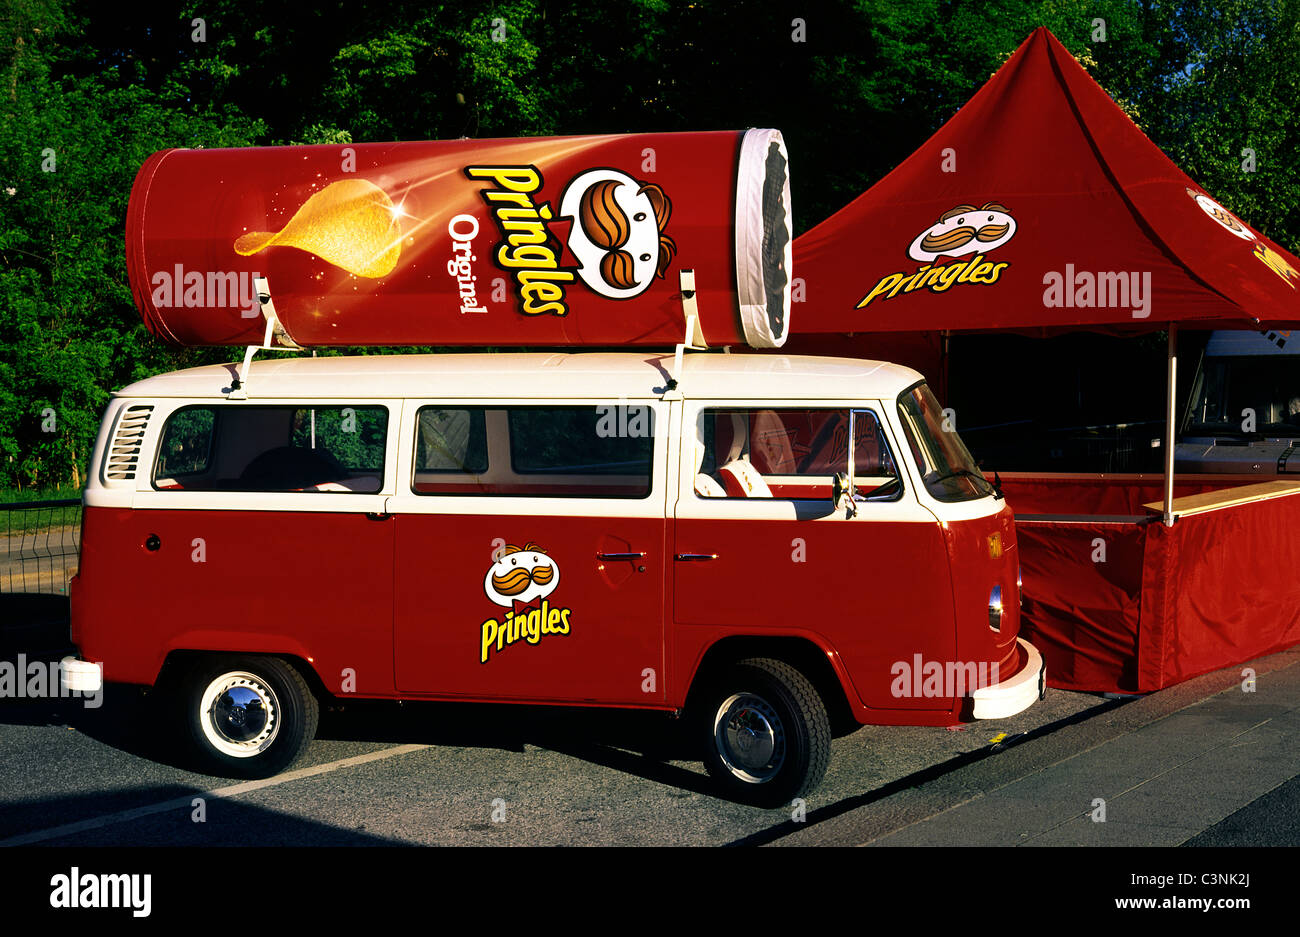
(615, 234)
(961, 231)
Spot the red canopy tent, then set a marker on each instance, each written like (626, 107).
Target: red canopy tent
(1041, 208)
(1060, 200)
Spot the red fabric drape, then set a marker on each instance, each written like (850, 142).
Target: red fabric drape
(1136, 606)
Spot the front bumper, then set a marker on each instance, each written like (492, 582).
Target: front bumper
(80, 676)
(1016, 693)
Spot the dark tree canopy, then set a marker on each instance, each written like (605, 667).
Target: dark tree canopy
(90, 89)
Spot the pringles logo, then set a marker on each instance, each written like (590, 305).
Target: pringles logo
(615, 234)
(521, 581)
(1232, 224)
(961, 231)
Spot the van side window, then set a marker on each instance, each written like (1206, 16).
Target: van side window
(607, 439)
(451, 440)
(285, 448)
(186, 446)
(594, 451)
(790, 454)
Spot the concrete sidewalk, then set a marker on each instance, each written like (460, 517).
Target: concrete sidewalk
(1168, 767)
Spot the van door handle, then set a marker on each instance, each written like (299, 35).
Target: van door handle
(621, 556)
(696, 557)
(377, 515)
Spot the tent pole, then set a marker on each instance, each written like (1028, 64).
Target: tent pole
(1170, 420)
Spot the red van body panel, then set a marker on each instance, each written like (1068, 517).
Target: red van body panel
(425, 643)
(975, 570)
(605, 644)
(757, 587)
(313, 585)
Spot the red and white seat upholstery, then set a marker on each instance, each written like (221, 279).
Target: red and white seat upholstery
(362, 483)
(706, 487)
(742, 480)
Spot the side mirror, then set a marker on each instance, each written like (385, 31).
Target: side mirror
(842, 495)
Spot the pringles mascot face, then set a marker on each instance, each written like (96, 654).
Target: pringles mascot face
(964, 230)
(618, 231)
(1220, 214)
(521, 577)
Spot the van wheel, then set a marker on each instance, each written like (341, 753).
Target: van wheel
(248, 717)
(766, 733)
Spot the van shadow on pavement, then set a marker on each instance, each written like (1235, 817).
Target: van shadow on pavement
(34, 624)
(636, 742)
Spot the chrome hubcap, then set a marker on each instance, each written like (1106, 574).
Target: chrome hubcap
(750, 737)
(240, 714)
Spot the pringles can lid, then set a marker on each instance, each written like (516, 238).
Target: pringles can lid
(557, 241)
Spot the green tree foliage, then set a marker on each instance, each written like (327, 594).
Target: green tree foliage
(855, 85)
(1233, 84)
(73, 131)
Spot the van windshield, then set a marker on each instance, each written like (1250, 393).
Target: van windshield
(1246, 396)
(947, 469)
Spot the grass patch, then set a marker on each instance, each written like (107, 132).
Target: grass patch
(11, 495)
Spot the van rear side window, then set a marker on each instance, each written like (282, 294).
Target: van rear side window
(187, 443)
(287, 448)
(597, 451)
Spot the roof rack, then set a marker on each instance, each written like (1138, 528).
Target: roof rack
(694, 337)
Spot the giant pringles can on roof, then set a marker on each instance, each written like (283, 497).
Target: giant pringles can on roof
(512, 242)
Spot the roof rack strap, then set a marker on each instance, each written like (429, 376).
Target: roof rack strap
(275, 338)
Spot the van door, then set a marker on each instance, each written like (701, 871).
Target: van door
(758, 548)
(259, 526)
(531, 551)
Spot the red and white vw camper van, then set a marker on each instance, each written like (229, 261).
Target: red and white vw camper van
(777, 547)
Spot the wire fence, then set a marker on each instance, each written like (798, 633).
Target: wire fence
(40, 545)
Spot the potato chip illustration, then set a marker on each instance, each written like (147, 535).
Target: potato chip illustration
(351, 224)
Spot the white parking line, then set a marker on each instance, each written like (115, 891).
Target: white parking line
(185, 802)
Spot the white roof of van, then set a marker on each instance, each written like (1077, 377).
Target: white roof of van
(530, 375)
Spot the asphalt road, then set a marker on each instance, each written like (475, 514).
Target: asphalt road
(1201, 763)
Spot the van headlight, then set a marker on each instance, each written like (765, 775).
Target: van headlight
(995, 608)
